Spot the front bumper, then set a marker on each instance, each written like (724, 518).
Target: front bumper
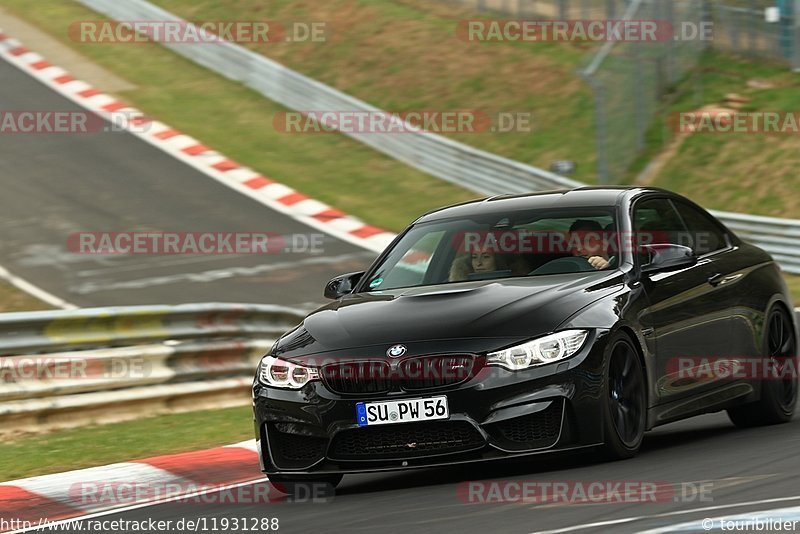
(496, 414)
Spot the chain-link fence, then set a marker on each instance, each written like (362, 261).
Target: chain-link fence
(758, 28)
(630, 79)
(551, 9)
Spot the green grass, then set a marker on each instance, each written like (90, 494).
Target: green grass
(13, 300)
(736, 172)
(406, 55)
(793, 282)
(403, 55)
(100, 445)
(398, 55)
(239, 123)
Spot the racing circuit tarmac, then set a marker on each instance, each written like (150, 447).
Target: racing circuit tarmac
(719, 466)
(53, 185)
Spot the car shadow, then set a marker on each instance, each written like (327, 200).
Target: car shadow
(492, 470)
(669, 439)
(537, 466)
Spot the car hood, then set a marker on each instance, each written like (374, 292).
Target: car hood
(498, 311)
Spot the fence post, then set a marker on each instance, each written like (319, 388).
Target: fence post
(603, 175)
(796, 36)
(669, 47)
(707, 18)
(611, 9)
(638, 91)
(751, 35)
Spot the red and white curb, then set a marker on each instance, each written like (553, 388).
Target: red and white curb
(192, 152)
(183, 477)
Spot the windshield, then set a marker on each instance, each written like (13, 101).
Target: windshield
(501, 245)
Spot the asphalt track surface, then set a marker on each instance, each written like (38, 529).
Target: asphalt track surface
(730, 465)
(53, 185)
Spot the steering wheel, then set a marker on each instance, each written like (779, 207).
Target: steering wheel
(571, 264)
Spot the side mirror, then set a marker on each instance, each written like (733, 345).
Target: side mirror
(666, 257)
(342, 285)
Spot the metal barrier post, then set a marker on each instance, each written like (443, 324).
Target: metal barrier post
(796, 36)
(603, 174)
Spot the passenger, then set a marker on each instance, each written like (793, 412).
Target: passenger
(484, 261)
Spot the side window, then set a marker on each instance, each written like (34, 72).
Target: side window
(655, 221)
(704, 234)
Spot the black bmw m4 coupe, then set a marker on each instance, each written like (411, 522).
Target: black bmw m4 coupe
(527, 324)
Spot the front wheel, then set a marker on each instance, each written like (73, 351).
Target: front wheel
(308, 486)
(624, 400)
(779, 386)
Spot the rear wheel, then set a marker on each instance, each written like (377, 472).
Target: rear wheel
(624, 400)
(308, 486)
(779, 385)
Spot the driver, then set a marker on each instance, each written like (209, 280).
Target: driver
(590, 249)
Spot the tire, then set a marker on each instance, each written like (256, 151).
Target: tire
(624, 400)
(778, 396)
(319, 486)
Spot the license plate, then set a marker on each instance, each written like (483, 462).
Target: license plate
(402, 411)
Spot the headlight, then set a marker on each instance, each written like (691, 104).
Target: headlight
(282, 374)
(540, 351)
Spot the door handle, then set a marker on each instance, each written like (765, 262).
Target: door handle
(719, 279)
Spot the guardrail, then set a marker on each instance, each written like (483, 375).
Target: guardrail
(454, 162)
(468, 167)
(779, 237)
(67, 367)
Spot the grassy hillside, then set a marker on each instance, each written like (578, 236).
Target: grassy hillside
(751, 173)
(405, 54)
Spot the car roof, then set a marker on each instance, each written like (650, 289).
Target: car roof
(582, 197)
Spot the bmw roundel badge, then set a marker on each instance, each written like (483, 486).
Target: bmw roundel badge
(395, 351)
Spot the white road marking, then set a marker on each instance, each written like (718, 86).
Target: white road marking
(714, 523)
(155, 262)
(51, 526)
(632, 519)
(35, 291)
(209, 276)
